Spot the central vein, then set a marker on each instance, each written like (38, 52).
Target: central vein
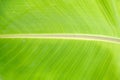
(65, 36)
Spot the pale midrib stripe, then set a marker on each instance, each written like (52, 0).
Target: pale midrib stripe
(65, 36)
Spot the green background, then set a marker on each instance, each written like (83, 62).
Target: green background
(58, 59)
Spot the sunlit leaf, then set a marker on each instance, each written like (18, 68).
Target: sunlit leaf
(93, 55)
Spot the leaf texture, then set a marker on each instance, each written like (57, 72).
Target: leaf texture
(60, 16)
(59, 59)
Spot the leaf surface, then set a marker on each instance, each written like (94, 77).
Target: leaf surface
(32, 58)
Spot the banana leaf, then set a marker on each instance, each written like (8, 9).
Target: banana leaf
(59, 39)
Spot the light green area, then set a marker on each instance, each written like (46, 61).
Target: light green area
(60, 16)
(35, 59)
(50, 59)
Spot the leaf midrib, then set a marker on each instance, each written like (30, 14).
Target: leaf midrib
(65, 36)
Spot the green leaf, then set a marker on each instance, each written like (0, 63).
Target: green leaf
(59, 40)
